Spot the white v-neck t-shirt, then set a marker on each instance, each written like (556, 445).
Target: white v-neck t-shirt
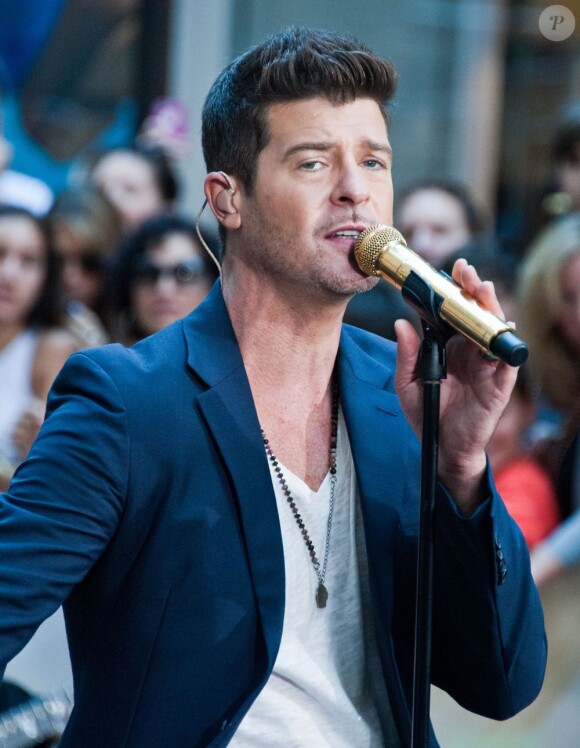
(326, 689)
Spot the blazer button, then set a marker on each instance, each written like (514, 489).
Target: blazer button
(500, 562)
(225, 723)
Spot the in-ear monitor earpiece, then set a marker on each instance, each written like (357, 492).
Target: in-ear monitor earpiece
(231, 188)
(223, 199)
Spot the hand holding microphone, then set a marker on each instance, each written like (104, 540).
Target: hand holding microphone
(381, 250)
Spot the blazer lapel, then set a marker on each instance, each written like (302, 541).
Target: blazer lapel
(228, 409)
(379, 434)
(381, 440)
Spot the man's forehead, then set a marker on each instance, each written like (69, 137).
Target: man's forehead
(324, 120)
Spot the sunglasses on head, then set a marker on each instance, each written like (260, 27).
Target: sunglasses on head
(183, 273)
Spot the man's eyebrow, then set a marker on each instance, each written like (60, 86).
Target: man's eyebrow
(325, 145)
(374, 145)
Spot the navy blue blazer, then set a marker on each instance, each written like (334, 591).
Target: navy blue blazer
(146, 507)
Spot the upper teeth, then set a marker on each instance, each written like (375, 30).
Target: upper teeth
(348, 232)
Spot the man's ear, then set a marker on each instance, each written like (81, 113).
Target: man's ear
(221, 192)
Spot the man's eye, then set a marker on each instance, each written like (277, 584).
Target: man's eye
(311, 165)
(373, 163)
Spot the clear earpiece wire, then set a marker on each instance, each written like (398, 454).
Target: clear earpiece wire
(202, 240)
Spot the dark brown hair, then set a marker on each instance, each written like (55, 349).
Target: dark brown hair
(296, 64)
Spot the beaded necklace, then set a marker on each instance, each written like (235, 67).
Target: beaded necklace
(321, 592)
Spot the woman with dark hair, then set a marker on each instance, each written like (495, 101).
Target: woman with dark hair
(161, 274)
(139, 180)
(33, 342)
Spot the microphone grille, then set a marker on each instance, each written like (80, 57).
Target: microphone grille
(369, 244)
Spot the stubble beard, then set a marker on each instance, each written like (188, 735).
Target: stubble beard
(274, 258)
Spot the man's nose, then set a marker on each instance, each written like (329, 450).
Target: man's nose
(351, 186)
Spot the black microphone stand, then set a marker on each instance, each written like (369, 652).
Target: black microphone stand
(432, 368)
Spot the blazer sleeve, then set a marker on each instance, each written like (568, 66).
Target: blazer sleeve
(64, 502)
(489, 644)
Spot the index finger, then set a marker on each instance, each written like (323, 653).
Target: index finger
(482, 291)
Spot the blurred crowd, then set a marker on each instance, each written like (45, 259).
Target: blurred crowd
(112, 259)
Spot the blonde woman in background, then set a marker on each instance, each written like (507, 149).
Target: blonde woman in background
(549, 311)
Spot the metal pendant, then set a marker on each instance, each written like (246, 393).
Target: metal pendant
(321, 596)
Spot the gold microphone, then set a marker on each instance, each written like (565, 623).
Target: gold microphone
(381, 250)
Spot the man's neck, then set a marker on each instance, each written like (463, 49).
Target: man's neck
(289, 349)
(283, 336)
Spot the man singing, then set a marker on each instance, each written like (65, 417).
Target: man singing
(229, 509)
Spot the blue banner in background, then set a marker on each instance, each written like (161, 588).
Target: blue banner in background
(25, 27)
(76, 95)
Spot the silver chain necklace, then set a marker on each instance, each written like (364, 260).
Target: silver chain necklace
(321, 595)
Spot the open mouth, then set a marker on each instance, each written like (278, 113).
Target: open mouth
(352, 234)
